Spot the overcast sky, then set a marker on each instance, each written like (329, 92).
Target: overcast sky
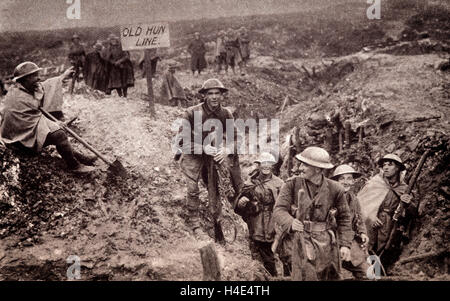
(18, 15)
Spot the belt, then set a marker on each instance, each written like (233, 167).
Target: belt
(310, 226)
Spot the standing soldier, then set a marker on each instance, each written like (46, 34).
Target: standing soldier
(197, 49)
(232, 47)
(244, 46)
(379, 199)
(198, 161)
(255, 205)
(221, 52)
(77, 56)
(121, 75)
(315, 254)
(94, 70)
(358, 266)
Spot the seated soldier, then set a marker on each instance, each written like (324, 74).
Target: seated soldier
(255, 205)
(25, 127)
(358, 266)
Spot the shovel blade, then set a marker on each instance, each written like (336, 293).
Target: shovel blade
(117, 169)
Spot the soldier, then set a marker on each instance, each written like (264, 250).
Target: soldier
(197, 49)
(379, 198)
(77, 56)
(255, 205)
(315, 254)
(25, 128)
(232, 47)
(221, 52)
(358, 266)
(94, 70)
(171, 91)
(200, 162)
(244, 46)
(121, 73)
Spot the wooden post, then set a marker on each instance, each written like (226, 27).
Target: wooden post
(210, 262)
(148, 55)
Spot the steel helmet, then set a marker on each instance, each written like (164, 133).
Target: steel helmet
(24, 69)
(266, 157)
(212, 83)
(345, 169)
(75, 36)
(315, 156)
(392, 157)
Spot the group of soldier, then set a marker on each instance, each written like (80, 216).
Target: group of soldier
(106, 68)
(314, 224)
(231, 49)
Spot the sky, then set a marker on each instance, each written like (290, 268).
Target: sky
(22, 15)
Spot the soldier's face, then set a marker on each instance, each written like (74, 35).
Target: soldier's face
(213, 98)
(30, 82)
(390, 169)
(347, 181)
(307, 171)
(266, 168)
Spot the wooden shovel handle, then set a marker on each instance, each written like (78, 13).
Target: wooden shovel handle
(81, 140)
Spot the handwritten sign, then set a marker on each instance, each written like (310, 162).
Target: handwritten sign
(145, 36)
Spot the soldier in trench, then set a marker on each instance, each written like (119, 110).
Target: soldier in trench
(200, 161)
(346, 175)
(255, 205)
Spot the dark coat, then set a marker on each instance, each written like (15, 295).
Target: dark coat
(77, 54)
(258, 212)
(95, 71)
(121, 73)
(197, 49)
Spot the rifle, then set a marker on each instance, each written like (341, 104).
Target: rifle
(300, 239)
(399, 210)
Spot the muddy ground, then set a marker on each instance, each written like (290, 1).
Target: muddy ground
(135, 229)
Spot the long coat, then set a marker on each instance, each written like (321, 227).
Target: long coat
(171, 88)
(258, 212)
(94, 71)
(122, 75)
(197, 49)
(77, 55)
(244, 46)
(320, 253)
(22, 121)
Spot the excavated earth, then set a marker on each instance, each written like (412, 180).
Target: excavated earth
(134, 228)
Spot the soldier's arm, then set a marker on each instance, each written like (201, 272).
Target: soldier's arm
(343, 220)
(360, 225)
(282, 208)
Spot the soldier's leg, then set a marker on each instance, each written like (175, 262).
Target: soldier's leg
(125, 91)
(60, 140)
(191, 167)
(268, 258)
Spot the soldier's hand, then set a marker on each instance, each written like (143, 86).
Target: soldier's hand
(210, 150)
(243, 202)
(68, 73)
(365, 239)
(297, 225)
(345, 254)
(220, 156)
(377, 223)
(406, 198)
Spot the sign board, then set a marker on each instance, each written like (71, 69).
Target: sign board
(145, 36)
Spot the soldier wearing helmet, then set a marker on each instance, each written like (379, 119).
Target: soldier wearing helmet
(77, 56)
(346, 176)
(255, 205)
(316, 252)
(203, 149)
(379, 198)
(24, 127)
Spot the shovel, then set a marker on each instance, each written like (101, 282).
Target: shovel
(116, 168)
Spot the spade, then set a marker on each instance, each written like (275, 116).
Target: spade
(115, 168)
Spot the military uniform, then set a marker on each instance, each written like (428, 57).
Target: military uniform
(195, 164)
(318, 258)
(197, 49)
(257, 213)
